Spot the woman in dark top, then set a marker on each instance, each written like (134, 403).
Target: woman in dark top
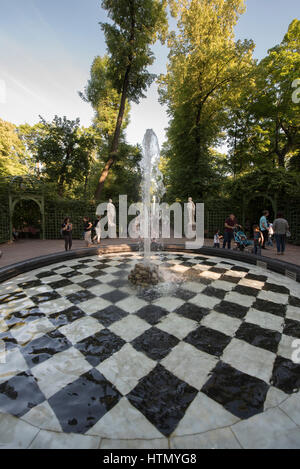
(66, 229)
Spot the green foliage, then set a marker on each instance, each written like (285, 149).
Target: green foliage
(14, 159)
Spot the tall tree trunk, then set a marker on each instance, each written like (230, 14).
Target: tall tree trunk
(115, 143)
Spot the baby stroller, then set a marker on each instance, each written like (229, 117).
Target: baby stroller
(241, 239)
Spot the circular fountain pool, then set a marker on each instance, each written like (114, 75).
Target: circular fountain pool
(202, 360)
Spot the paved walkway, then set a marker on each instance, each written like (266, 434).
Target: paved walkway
(27, 249)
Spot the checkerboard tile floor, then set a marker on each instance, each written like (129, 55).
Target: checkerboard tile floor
(87, 353)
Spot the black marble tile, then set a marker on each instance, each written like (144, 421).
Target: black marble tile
(270, 307)
(20, 394)
(30, 284)
(80, 267)
(183, 294)
(23, 316)
(259, 278)
(152, 314)
(276, 288)
(149, 294)
(97, 274)
(39, 350)
(259, 336)
(9, 341)
(208, 340)
(209, 263)
(191, 311)
(286, 375)
(115, 296)
(187, 264)
(43, 297)
(156, 344)
(89, 283)
(119, 283)
(294, 301)
(80, 296)
(86, 261)
(232, 309)
(46, 273)
(292, 328)
(215, 292)
(230, 279)
(110, 315)
(162, 398)
(71, 274)
(8, 298)
(218, 270)
(60, 283)
(237, 268)
(237, 392)
(249, 291)
(67, 316)
(100, 346)
(82, 403)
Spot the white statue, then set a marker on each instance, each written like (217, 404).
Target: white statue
(111, 218)
(191, 211)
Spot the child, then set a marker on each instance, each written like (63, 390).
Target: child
(217, 238)
(258, 240)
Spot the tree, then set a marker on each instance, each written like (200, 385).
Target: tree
(136, 25)
(64, 151)
(206, 68)
(13, 155)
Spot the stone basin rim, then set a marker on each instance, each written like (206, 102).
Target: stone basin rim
(277, 266)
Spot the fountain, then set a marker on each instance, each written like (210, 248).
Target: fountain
(145, 273)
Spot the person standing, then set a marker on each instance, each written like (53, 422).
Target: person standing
(66, 229)
(264, 227)
(217, 239)
(230, 224)
(257, 239)
(281, 229)
(97, 226)
(87, 231)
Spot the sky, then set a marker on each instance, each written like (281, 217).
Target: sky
(47, 48)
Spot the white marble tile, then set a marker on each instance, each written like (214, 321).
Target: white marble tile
(274, 398)
(52, 278)
(170, 303)
(101, 289)
(43, 417)
(68, 290)
(60, 370)
(244, 300)
(194, 287)
(125, 368)
(205, 301)
(94, 305)
(202, 415)
(222, 438)
(80, 278)
(221, 322)
(81, 329)
(291, 407)
(158, 443)
(131, 304)
(285, 348)
(124, 421)
(14, 306)
(3, 326)
(220, 284)
(55, 306)
(247, 282)
(265, 320)
(14, 364)
(51, 440)
(274, 297)
(106, 278)
(178, 268)
(37, 290)
(263, 430)
(129, 327)
(178, 326)
(235, 273)
(209, 274)
(189, 364)
(251, 360)
(293, 313)
(15, 434)
(32, 330)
